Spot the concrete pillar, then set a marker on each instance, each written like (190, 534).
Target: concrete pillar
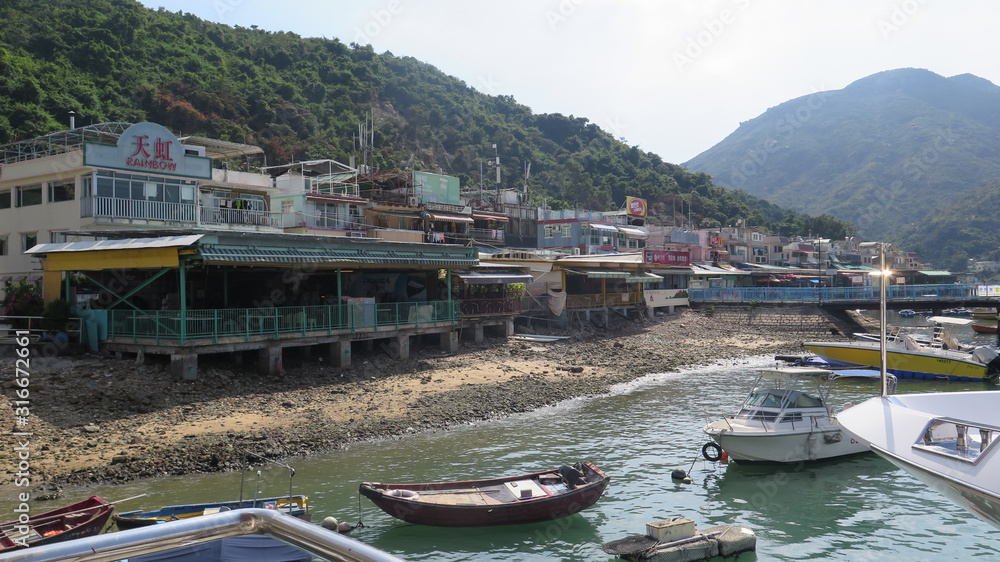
(449, 341)
(404, 347)
(478, 333)
(509, 328)
(184, 367)
(237, 358)
(269, 361)
(340, 353)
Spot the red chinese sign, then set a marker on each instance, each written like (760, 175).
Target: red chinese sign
(667, 257)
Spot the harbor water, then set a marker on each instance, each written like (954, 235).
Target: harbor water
(858, 508)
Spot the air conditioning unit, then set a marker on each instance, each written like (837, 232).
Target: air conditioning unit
(412, 201)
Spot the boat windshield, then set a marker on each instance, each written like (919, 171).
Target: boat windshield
(773, 398)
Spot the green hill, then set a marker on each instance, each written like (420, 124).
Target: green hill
(885, 153)
(303, 98)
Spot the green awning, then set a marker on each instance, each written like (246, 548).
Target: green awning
(229, 255)
(644, 278)
(477, 278)
(604, 274)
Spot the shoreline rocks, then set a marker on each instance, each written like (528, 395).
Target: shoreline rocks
(113, 421)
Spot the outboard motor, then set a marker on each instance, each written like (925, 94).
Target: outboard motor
(989, 358)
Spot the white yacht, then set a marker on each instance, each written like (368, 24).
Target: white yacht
(945, 439)
(781, 422)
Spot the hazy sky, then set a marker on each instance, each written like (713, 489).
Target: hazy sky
(674, 77)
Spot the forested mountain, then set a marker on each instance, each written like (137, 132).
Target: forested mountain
(303, 98)
(886, 153)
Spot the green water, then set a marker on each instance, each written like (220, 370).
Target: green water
(861, 508)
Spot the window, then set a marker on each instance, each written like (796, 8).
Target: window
(27, 195)
(64, 190)
(56, 236)
(28, 239)
(5, 199)
(3, 245)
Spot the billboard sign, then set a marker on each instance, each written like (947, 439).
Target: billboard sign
(667, 257)
(636, 207)
(435, 188)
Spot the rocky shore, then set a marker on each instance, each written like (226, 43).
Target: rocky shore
(113, 420)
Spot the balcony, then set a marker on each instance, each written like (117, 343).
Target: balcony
(111, 210)
(325, 221)
(490, 236)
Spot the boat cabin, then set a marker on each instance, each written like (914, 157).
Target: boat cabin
(779, 395)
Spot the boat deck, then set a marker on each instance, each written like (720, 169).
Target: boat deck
(497, 494)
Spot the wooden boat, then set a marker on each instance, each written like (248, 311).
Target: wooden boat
(984, 328)
(85, 518)
(526, 498)
(299, 507)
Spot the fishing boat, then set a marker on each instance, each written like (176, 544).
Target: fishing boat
(295, 505)
(947, 440)
(907, 357)
(525, 498)
(984, 328)
(984, 312)
(85, 518)
(779, 422)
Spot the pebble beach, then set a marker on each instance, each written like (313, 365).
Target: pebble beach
(110, 420)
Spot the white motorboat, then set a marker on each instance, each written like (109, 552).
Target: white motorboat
(946, 439)
(780, 422)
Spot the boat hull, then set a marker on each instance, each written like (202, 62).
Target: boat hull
(134, 519)
(787, 447)
(468, 513)
(81, 519)
(900, 362)
(896, 427)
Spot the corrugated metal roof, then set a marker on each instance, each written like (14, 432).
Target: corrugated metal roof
(126, 244)
(212, 253)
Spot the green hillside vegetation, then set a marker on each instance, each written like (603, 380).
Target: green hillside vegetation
(965, 229)
(883, 153)
(303, 98)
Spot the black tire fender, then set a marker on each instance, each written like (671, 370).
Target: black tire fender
(711, 451)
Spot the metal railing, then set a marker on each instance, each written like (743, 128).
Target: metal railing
(115, 208)
(325, 221)
(603, 300)
(225, 215)
(32, 327)
(120, 545)
(489, 235)
(490, 307)
(817, 295)
(191, 213)
(216, 323)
